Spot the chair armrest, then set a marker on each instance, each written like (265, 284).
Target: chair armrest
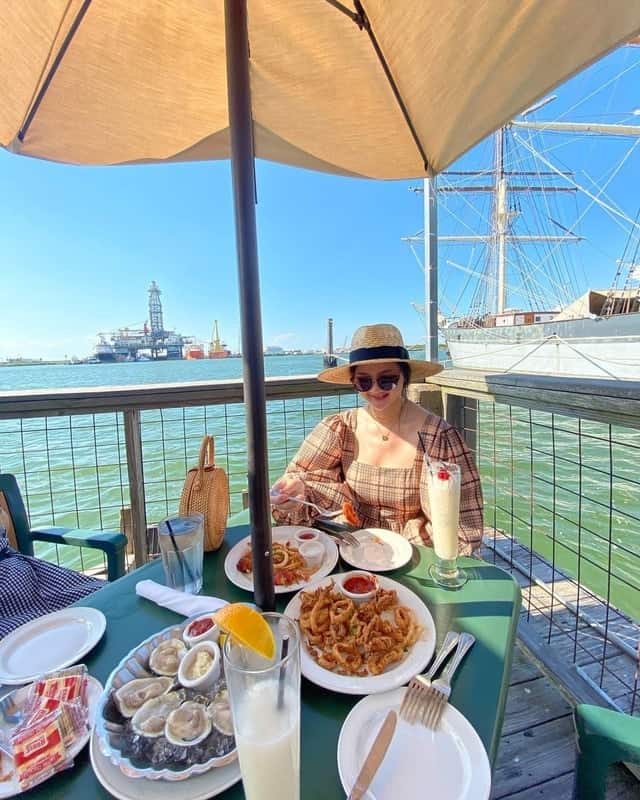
(611, 729)
(112, 543)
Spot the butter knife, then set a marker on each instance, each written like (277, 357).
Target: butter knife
(374, 758)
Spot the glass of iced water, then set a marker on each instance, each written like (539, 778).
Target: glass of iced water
(181, 540)
(265, 703)
(440, 498)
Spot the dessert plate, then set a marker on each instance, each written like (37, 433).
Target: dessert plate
(378, 550)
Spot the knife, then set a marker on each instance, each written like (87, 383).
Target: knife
(374, 758)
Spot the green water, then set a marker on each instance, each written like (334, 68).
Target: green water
(74, 471)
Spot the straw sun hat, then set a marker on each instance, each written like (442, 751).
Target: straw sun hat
(372, 344)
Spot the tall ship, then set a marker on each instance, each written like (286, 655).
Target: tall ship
(514, 294)
(217, 348)
(149, 342)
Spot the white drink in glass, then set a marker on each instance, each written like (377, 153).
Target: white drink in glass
(444, 502)
(265, 704)
(442, 505)
(268, 740)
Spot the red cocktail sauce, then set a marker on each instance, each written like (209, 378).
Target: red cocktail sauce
(360, 584)
(200, 626)
(307, 535)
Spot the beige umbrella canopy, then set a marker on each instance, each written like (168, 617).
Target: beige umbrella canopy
(116, 81)
(377, 88)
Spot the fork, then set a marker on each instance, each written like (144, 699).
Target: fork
(419, 687)
(440, 690)
(323, 512)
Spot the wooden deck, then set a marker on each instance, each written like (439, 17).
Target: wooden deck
(537, 752)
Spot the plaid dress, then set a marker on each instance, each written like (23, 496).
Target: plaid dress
(384, 497)
(31, 587)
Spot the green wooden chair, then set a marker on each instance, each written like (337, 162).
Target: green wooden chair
(605, 737)
(110, 542)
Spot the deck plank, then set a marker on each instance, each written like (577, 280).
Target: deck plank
(530, 757)
(533, 702)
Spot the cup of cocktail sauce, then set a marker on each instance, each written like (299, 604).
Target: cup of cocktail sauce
(358, 586)
(307, 535)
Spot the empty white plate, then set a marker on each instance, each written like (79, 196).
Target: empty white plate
(49, 643)
(448, 764)
(379, 550)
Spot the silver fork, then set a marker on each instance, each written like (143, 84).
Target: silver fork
(323, 512)
(419, 687)
(440, 690)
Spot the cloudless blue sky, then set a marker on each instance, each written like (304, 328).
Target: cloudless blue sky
(79, 246)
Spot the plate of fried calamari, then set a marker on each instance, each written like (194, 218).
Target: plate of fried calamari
(291, 570)
(362, 647)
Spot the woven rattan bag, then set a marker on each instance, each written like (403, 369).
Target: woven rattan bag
(206, 489)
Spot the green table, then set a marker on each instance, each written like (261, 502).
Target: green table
(487, 606)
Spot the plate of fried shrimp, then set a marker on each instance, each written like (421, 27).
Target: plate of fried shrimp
(362, 647)
(291, 571)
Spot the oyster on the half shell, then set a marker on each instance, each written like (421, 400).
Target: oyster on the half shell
(165, 658)
(188, 725)
(150, 720)
(134, 694)
(220, 713)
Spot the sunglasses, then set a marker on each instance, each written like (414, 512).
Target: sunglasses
(364, 383)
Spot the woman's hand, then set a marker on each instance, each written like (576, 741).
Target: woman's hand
(284, 488)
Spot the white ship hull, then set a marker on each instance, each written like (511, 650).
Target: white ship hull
(602, 347)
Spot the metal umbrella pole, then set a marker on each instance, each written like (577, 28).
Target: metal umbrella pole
(243, 175)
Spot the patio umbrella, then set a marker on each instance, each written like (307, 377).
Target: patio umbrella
(385, 89)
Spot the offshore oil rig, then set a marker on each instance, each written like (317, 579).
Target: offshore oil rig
(151, 342)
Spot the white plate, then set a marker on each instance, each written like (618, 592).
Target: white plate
(11, 787)
(198, 787)
(379, 550)
(398, 674)
(49, 643)
(281, 533)
(450, 763)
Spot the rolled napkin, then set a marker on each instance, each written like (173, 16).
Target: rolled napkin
(189, 605)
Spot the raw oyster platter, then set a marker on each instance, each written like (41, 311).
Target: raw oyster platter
(164, 712)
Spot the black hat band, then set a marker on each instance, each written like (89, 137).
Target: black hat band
(379, 354)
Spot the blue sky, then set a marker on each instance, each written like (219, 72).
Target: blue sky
(79, 246)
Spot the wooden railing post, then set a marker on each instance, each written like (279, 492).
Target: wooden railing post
(462, 413)
(133, 442)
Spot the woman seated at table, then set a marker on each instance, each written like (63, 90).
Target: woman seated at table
(373, 456)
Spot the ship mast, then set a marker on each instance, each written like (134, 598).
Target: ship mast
(500, 235)
(501, 217)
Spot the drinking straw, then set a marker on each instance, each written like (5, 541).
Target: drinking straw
(283, 654)
(183, 565)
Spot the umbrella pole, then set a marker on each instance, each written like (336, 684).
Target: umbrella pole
(243, 175)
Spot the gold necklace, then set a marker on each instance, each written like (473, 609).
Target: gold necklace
(385, 435)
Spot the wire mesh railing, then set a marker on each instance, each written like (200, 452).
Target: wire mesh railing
(562, 509)
(73, 469)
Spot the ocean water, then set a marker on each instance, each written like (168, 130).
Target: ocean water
(534, 469)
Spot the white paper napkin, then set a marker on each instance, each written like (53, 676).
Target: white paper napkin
(189, 605)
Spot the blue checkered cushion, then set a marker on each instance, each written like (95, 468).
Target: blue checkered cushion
(31, 587)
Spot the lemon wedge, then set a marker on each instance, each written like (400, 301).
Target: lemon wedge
(247, 626)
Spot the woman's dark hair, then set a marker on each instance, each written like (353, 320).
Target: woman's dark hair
(405, 371)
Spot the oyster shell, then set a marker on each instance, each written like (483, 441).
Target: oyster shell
(134, 694)
(150, 720)
(188, 725)
(220, 713)
(165, 658)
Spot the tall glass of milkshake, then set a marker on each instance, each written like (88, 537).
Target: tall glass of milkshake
(440, 495)
(265, 703)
